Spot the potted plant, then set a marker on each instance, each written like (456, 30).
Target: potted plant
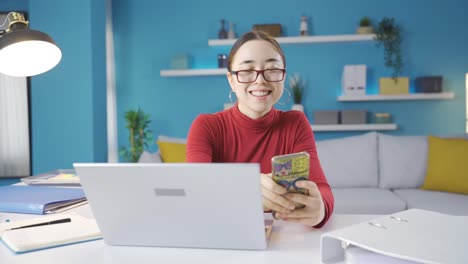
(297, 84)
(140, 135)
(365, 26)
(388, 34)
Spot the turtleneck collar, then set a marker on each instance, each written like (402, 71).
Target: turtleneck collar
(257, 124)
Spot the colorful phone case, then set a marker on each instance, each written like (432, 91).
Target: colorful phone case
(290, 168)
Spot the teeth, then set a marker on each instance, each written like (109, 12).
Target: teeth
(259, 93)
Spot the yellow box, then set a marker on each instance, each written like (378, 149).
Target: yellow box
(390, 86)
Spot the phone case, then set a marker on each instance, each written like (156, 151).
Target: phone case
(290, 168)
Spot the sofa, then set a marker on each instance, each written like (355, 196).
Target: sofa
(375, 173)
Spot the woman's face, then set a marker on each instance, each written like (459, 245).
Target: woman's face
(257, 98)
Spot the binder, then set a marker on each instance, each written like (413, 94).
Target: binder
(79, 229)
(39, 199)
(353, 80)
(414, 235)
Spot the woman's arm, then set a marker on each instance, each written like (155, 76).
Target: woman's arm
(199, 142)
(320, 202)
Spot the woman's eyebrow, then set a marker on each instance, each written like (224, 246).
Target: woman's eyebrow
(252, 61)
(272, 60)
(247, 62)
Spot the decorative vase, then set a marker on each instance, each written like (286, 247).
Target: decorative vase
(304, 27)
(298, 107)
(222, 34)
(231, 34)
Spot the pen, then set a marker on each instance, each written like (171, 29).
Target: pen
(58, 221)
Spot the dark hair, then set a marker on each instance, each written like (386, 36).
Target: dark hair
(254, 35)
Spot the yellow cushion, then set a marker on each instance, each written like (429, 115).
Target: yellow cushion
(447, 165)
(171, 151)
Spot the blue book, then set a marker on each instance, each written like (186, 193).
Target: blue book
(39, 199)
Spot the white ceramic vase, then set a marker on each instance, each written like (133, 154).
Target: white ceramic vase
(298, 107)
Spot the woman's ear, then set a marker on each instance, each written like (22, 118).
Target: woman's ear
(230, 78)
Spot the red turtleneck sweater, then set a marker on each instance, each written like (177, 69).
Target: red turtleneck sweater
(230, 136)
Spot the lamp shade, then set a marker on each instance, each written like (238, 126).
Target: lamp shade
(26, 52)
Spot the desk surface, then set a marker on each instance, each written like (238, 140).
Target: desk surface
(289, 243)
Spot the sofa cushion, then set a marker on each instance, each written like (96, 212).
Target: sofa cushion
(402, 161)
(350, 161)
(366, 201)
(172, 149)
(444, 202)
(447, 165)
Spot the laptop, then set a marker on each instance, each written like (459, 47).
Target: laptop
(193, 205)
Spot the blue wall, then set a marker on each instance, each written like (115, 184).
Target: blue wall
(14, 5)
(148, 33)
(68, 102)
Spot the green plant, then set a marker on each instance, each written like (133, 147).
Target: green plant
(140, 135)
(388, 34)
(365, 22)
(297, 84)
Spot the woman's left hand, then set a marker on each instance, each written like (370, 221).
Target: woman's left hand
(314, 211)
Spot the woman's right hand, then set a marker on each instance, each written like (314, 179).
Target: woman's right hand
(273, 198)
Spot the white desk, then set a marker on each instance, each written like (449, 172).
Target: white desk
(289, 243)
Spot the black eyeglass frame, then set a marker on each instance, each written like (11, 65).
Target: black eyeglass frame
(258, 73)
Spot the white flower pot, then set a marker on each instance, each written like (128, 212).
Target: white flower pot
(365, 30)
(298, 107)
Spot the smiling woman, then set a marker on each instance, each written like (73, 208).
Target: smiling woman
(253, 131)
(256, 90)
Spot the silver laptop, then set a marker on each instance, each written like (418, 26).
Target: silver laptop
(196, 205)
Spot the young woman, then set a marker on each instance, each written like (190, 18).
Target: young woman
(254, 131)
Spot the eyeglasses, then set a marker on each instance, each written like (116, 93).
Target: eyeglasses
(250, 76)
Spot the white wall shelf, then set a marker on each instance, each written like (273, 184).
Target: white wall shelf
(303, 39)
(193, 72)
(414, 96)
(357, 127)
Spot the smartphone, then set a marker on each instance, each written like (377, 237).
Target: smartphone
(290, 168)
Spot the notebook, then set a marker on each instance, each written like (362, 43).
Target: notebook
(194, 205)
(78, 229)
(61, 177)
(39, 199)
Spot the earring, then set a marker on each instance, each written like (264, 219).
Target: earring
(287, 100)
(230, 95)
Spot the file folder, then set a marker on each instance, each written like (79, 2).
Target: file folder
(414, 235)
(39, 199)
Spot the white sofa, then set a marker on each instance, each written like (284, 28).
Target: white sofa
(376, 173)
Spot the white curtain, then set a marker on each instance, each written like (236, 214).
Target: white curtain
(112, 140)
(14, 127)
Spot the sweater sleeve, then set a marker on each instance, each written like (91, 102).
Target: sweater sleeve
(305, 141)
(199, 142)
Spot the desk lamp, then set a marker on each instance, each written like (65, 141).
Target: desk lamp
(25, 52)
